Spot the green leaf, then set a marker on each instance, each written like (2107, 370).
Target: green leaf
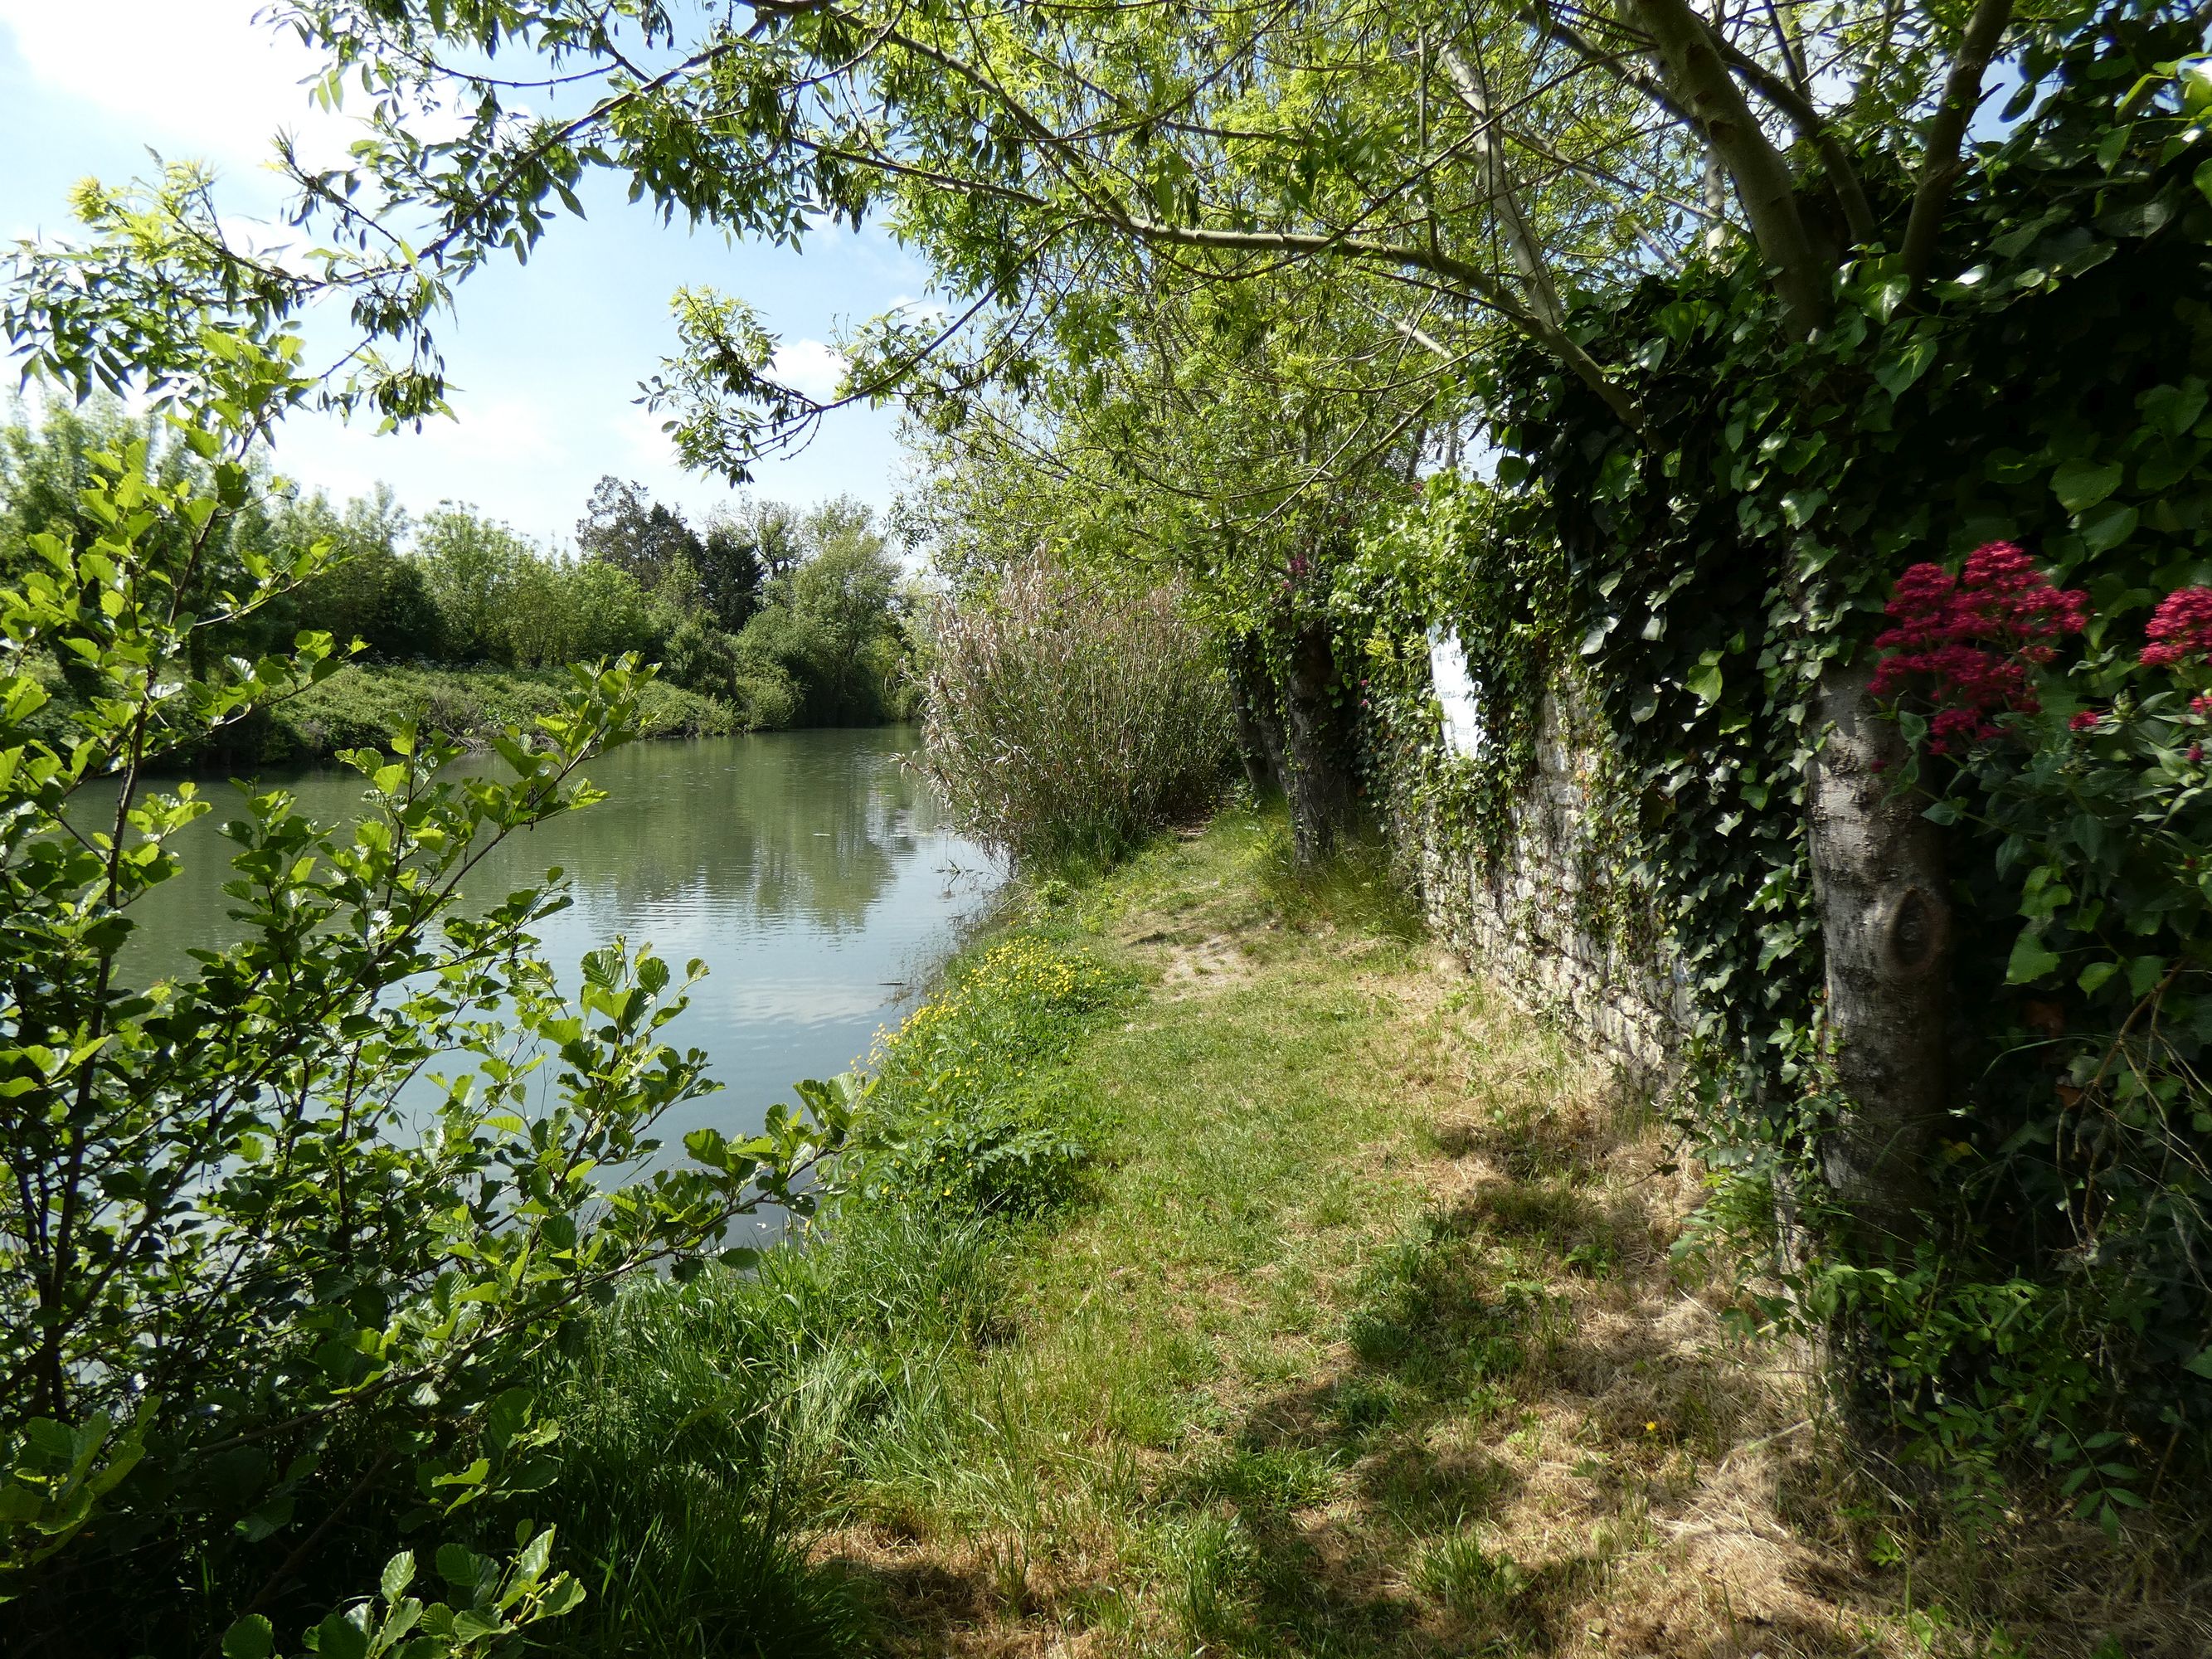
(399, 1574)
(2031, 959)
(338, 1637)
(2081, 484)
(2095, 977)
(458, 1566)
(2106, 527)
(1705, 682)
(563, 1595)
(1898, 372)
(251, 1638)
(1799, 506)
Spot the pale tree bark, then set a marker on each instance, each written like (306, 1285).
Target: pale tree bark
(1876, 863)
(1472, 85)
(1885, 927)
(1699, 76)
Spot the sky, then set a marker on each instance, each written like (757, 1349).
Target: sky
(544, 358)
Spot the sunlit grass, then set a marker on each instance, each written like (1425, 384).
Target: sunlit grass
(1364, 1335)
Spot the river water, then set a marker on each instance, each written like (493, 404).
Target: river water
(814, 873)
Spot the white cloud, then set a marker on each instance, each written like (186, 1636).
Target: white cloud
(195, 78)
(810, 367)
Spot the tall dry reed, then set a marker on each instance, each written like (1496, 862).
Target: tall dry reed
(1067, 722)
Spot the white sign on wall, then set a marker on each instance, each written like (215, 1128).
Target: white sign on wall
(1459, 692)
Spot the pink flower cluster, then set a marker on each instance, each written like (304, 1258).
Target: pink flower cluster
(2180, 629)
(1968, 641)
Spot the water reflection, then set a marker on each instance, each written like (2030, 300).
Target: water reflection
(814, 873)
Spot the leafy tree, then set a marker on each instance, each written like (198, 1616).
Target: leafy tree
(730, 573)
(471, 565)
(371, 592)
(832, 622)
(648, 539)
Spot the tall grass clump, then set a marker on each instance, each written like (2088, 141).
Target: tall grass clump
(712, 1424)
(1065, 723)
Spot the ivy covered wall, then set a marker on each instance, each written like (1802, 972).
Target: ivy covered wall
(1650, 620)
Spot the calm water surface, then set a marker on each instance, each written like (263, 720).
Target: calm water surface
(814, 873)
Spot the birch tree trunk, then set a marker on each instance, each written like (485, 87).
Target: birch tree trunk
(1886, 927)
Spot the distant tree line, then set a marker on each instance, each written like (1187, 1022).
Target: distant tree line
(793, 617)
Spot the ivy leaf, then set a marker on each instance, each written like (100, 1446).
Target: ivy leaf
(1704, 681)
(2108, 526)
(2079, 485)
(1898, 372)
(1799, 506)
(2095, 974)
(2031, 959)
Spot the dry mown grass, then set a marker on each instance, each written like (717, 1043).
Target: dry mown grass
(1372, 1345)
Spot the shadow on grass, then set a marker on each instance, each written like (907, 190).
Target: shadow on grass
(1377, 1504)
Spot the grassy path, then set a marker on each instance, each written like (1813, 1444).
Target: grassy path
(1369, 1344)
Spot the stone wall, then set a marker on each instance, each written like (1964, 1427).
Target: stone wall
(1557, 921)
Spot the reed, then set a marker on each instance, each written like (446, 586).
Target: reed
(1065, 723)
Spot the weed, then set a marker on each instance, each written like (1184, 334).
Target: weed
(1268, 1482)
(1462, 1576)
(1210, 1567)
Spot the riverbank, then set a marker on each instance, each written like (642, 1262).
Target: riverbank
(364, 705)
(1237, 1275)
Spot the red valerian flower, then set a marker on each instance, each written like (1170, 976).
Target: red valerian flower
(2180, 629)
(1967, 642)
(2085, 721)
(2201, 704)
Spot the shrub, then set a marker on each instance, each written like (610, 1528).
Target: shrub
(273, 1290)
(1062, 721)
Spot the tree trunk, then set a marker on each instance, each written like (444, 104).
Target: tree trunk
(1886, 928)
(1259, 727)
(1317, 774)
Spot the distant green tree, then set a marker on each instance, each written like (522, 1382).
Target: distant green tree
(470, 564)
(372, 592)
(835, 621)
(624, 527)
(731, 572)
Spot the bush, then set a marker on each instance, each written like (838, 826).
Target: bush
(1066, 722)
(263, 1308)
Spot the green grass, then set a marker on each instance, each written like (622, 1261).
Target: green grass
(1332, 1312)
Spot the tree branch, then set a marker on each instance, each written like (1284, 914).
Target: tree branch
(1940, 162)
(1700, 76)
(1815, 129)
(1474, 88)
